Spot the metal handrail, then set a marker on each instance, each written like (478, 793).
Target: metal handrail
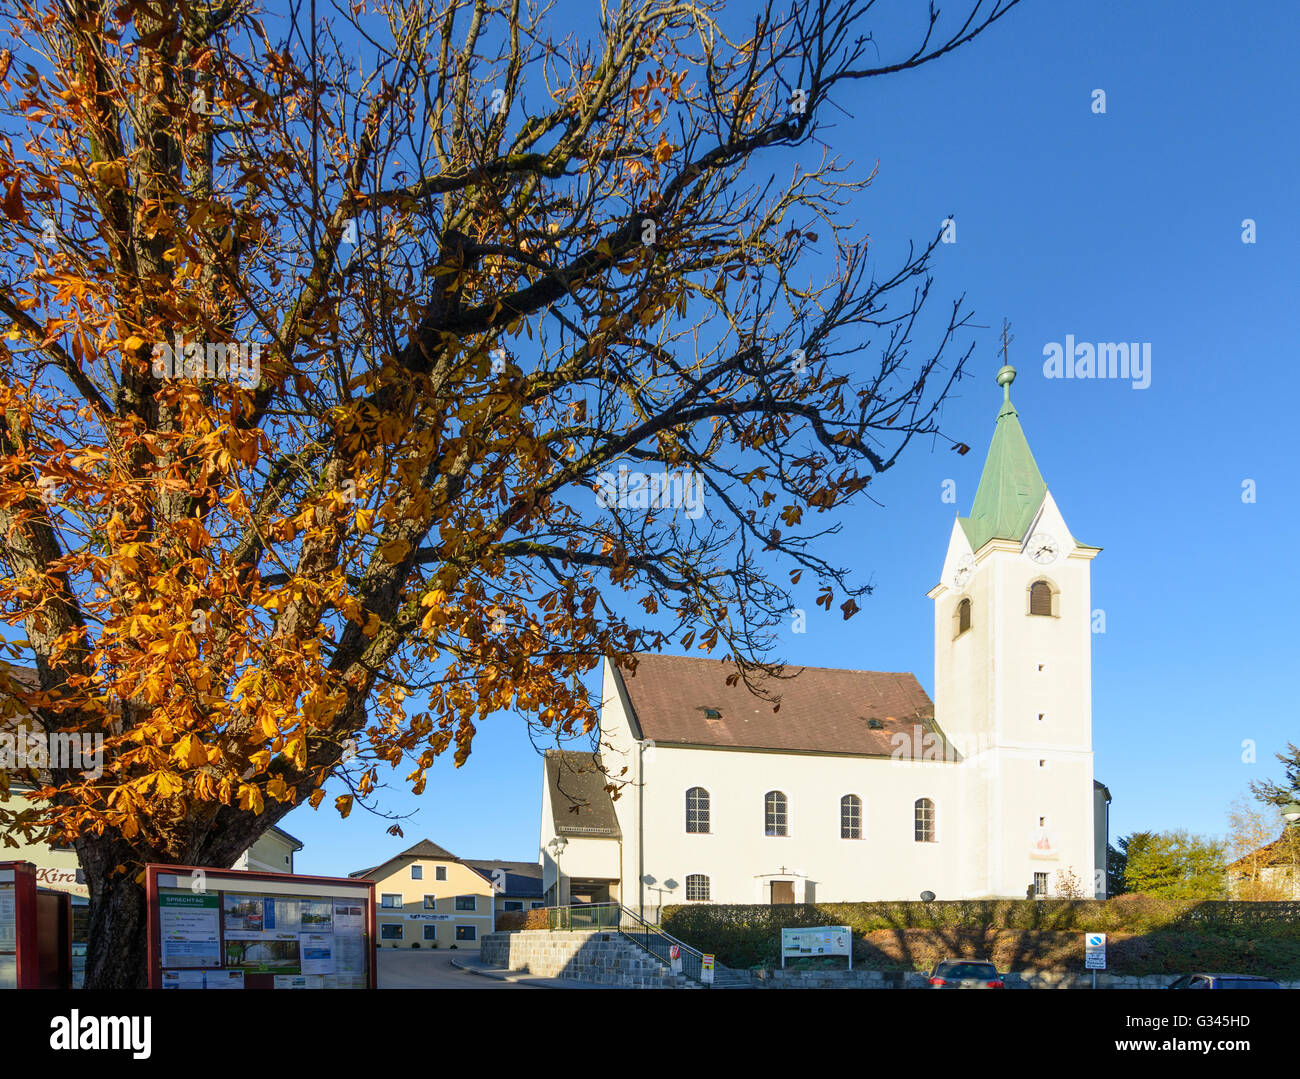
(647, 936)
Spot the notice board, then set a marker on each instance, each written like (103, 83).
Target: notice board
(230, 929)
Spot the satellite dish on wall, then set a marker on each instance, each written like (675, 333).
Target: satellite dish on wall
(927, 897)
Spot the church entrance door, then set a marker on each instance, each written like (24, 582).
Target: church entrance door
(782, 891)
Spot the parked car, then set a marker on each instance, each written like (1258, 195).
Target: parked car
(965, 974)
(1224, 981)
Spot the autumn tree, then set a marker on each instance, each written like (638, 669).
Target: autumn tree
(1250, 831)
(325, 341)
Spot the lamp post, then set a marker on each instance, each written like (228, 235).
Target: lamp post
(556, 847)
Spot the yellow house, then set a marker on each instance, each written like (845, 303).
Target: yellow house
(426, 897)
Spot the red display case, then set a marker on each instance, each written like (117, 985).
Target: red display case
(35, 931)
(230, 929)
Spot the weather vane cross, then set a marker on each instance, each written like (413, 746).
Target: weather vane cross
(1007, 338)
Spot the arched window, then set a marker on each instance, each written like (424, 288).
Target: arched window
(924, 820)
(963, 618)
(697, 886)
(1040, 598)
(850, 817)
(775, 813)
(697, 811)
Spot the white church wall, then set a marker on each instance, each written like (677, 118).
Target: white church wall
(740, 859)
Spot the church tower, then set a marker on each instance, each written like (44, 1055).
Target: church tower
(1013, 678)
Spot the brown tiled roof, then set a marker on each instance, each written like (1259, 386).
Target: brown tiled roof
(823, 709)
(1284, 850)
(580, 805)
(423, 849)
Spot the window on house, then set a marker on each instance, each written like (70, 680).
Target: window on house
(537, 904)
(1040, 885)
(430, 932)
(924, 815)
(467, 902)
(417, 872)
(697, 887)
(775, 813)
(467, 932)
(513, 904)
(963, 617)
(1040, 598)
(390, 930)
(697, 811)
(391, 900)
(850, 817)
(430, 902)
(439, 872)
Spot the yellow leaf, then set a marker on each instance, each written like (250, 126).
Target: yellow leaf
(394, 550)
(190, 752)
(250, 798)
(343, 803)
(132, 343)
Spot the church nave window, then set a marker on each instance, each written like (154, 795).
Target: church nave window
(1041, 599)
(924, 816)
(775, 814)
(850, 817)
(697, 811)
(697, 887)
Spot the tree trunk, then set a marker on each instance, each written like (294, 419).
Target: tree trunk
(117, 931)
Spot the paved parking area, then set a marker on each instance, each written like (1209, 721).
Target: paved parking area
(408, 968)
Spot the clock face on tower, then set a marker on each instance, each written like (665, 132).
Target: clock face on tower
(962, 574)
(1043, 548)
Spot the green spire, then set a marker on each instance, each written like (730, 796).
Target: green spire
(1011, 488)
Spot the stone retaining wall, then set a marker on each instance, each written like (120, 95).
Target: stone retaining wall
(600, 957)
(603, 957)
(877, 979)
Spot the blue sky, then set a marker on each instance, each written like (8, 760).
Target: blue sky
(1125, 226)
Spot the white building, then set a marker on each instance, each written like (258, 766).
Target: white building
(860, 788)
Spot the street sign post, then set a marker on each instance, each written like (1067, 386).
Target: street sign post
(1094, 954)
(706, 969)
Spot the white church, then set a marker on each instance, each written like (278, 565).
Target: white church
(861, 788)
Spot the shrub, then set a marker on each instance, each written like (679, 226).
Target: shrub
(747, 935)
(511, 920)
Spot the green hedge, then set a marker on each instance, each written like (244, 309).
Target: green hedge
(745, 935)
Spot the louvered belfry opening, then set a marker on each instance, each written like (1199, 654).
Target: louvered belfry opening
(963, 616)
(1040, 598)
